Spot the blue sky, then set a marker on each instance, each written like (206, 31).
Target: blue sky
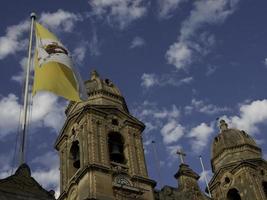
(180, 64)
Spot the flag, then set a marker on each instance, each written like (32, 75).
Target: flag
(54, 70)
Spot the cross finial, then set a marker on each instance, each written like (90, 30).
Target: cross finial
(181, 154)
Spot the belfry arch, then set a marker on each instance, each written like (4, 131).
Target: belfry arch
(116, 147)
(233, 194)
(264, 186)
(74, 157)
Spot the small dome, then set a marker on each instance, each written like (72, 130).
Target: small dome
(231, 139)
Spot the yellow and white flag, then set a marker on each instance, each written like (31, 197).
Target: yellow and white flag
(54, 69)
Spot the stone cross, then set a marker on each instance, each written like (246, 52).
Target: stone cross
(181, 154)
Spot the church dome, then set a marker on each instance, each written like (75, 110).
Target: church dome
(233, 144)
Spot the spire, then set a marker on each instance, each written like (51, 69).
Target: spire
(94, 75)
(223, 125)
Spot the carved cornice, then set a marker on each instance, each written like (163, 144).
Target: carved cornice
(233, 167)
(144, 180)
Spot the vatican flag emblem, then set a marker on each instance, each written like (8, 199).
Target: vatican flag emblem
(54, 68)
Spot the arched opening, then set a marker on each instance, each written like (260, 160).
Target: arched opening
(233, 194)
(264, 185)
(75, 154)
(116, 147)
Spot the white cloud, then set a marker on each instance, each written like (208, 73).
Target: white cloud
(187, 80)
(48, 172)
(251, 115)
(94, 45)
(48, 179)
(9, 115)
(265, 62)
(202, 107)
(207, 12)
(172, 131)
(151, 80)
(156, 118)
(21, 75)
(137, 42)
(200, 136)
(166, 7)
(60, 20)
(79, 53)
(179, 54)
(119, 12)
(47, 160)
(149, 110)
(46, 112)
(211, 69)
(14, 39)
(183, 52)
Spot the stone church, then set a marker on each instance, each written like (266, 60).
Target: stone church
(102, 158)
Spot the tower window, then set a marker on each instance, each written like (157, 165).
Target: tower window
(116, 147)
(264, 185)
(115, 122)
(233, 194)
(227, 180)
(75, 154)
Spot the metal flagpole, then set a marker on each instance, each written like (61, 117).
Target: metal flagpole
(26, 93)
(205, 177)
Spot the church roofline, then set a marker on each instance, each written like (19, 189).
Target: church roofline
(22, 176)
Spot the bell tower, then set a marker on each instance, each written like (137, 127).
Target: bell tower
(240, 172)
(100, 148)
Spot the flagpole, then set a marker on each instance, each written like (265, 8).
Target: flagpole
(205, 177)
(26, 94)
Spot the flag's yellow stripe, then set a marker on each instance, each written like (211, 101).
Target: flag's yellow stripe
(57, 78)
(43, 33)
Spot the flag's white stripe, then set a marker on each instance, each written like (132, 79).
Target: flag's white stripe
(44, 57)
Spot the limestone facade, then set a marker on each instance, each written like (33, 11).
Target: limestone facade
(87, 137)
(239, 170)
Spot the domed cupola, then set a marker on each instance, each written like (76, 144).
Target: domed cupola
(231, 146)
(100, 92)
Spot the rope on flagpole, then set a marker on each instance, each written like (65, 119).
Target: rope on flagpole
(26, 95)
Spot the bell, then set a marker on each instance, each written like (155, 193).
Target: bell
(76, 163)
(116, 155)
